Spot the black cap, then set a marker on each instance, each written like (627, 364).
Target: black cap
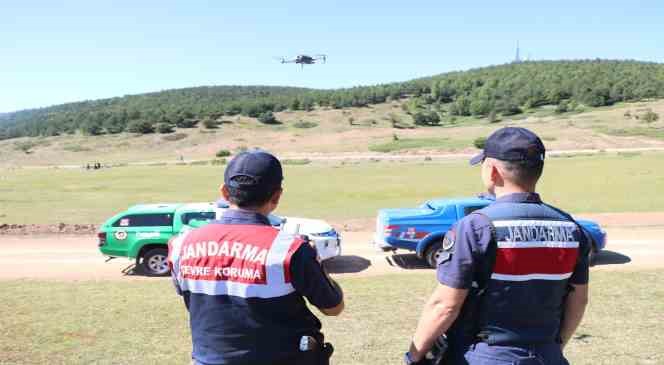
(512, 144)
(259, 170)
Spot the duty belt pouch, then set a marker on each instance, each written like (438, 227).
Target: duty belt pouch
(314, 352)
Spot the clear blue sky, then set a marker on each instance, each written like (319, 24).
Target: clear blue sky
(60, 51)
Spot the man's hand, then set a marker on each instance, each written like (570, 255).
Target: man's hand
(575, 306)
(438, 314)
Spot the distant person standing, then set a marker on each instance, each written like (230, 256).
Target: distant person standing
(513, 280)
(244, 281)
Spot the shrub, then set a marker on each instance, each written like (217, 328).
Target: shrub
(563, 107)
(219, 161)
(210, 123)
(223, 153)
(186, 123)
(479, 142)
(650, 117)
(164, 128)
(92, 128)
(267, 118)
(426, 118)
(25, 146)
(140, 126)
(397, 123)
(305, 124)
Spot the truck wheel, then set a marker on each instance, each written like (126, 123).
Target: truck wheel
(155, 262)
(432, 254)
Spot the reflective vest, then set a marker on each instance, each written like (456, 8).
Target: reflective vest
(537, 250)
(247, 261)
(236, 282)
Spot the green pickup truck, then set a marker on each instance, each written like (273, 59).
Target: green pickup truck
(142, 232)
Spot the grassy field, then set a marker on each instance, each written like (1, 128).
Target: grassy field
(603, 183)
(145, 322)
(420, 144)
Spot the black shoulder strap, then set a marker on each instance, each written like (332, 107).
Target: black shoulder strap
(492, 250)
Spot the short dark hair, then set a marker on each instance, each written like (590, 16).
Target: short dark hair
(523, 172)
(249, 197)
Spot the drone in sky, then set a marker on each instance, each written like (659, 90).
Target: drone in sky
(305, 60)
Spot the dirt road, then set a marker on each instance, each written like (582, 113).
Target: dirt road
(63, 257)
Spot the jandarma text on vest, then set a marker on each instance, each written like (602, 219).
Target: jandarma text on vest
(242, 251)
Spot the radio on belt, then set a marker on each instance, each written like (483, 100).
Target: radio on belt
(307, 343)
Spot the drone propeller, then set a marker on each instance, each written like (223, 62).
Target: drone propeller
(321, 57)
(280, 59)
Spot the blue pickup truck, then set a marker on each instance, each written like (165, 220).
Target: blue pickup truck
(421, 229)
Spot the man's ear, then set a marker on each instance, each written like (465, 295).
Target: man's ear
(224, 192)
(276, 197)
(496, 175)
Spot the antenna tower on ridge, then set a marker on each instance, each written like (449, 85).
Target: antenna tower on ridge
(517, 59)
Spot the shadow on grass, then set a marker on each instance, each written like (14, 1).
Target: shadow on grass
(408, 261)
(346, 264)
(606, 257)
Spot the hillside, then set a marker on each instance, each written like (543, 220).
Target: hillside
(328, 133)
(494, 92)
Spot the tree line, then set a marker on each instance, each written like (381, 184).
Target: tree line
(504, 89)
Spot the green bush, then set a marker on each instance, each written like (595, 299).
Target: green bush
(210, 123)
(223, 153)
(140, 126)
(186, 123)
(479, 142)
(650, 117)
(25, 146)
(304, 124)
(563, 107)
(92, 128)
(164, 128)
(267, 118)
(426, 118)
(397, 123)
(219, 161)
